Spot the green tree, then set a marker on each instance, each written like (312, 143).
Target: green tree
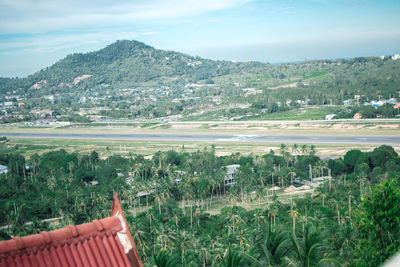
(16, 164)
(164, 259)
(368, 112)
(379, 224)
(387, 111)
(271, 249)
(308, 249)
(351, 157)
(381, 155)
(232, 259)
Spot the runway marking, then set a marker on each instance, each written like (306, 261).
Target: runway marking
(392, 140)
(240, 138)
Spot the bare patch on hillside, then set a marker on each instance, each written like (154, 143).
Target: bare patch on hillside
(81, 78)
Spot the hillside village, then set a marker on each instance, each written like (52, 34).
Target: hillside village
(198, 88)
(144, 105)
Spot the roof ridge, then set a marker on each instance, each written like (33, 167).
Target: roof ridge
(35, 248)
(105, 242)
(109, 225)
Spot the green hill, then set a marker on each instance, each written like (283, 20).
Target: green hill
(129, 63)
(163, 82)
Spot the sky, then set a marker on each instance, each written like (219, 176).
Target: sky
(35, 34)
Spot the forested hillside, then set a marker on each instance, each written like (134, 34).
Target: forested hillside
(130, 63)
(129, 79)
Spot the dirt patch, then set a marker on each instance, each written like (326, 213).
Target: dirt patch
(81, 78)
(290, 85)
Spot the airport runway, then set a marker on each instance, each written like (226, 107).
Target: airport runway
(392, 140)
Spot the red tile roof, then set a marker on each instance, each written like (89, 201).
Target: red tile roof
(105, 242)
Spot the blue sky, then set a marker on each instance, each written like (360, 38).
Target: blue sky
(36, 33)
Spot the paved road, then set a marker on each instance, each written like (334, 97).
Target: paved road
(271, 138)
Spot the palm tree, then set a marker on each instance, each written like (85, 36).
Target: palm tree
(322, 191)
(235, 219)
(304, 219)
(189, 197)
(164, 259)
(165, 236)
(312, 150)
(345, 238)
(185, 243)
(281, 176)
(272, 179)
(139, 238)
(150, 217)
(273, 211)
(292, 174)
(160, 199)
(294, 213)
(304, 149)
(213, 185)
(259, 194)
(308, 249)
(162, 194)
(323, 196)
(232, 197)
(271, 249)
(232, 258)
(204, 256)
(258, 217)
(282, 149)
(295, 148)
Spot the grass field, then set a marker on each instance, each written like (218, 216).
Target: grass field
(214, 205)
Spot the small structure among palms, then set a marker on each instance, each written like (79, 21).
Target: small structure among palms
(230, 174)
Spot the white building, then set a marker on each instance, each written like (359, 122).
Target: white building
(347, 102)
(8, 104)
(3, 169)
(230, 174)
(330, 117)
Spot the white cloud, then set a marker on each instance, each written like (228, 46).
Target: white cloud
(50, 43)
(24, 16)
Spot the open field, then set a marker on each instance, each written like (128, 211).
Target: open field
(214, 205)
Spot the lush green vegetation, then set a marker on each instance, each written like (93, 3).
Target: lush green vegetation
(352, 220)
(131, 80)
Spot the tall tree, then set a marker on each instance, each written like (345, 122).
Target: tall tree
(308, 249)
(379, 224)
(271, 248)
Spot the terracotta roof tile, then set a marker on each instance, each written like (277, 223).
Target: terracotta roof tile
(105, 242)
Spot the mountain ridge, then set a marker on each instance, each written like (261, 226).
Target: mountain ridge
(134, 61)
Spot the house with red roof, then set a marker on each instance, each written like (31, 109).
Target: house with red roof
(106, 242)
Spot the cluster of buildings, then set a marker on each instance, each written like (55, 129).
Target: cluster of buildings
(374, 103)
(378, 103)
